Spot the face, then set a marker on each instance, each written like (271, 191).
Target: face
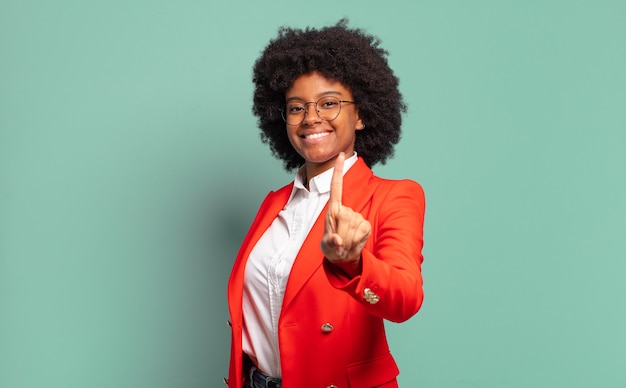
(320, 141)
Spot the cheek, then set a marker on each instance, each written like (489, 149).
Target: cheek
(291, 136)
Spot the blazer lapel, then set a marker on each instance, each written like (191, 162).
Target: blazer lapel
(358, 187)
(270, 208)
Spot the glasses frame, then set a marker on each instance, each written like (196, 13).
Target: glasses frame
(283, 110)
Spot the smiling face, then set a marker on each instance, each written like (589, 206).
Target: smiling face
(319, 141)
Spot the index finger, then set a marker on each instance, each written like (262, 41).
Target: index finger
(336, 183)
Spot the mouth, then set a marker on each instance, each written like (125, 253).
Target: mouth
(313, 136)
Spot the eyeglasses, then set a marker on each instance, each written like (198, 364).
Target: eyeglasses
(327, 108)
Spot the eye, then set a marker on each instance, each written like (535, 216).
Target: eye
(328, 103)
(294, 109)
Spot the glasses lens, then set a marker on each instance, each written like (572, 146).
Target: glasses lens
(328, 108)
(294, 113)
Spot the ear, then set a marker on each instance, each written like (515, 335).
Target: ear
(359, 123)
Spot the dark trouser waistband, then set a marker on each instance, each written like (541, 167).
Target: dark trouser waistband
(260, 380)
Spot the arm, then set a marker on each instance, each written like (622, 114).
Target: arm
(390, 261)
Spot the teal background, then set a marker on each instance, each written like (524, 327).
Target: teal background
(131, 167)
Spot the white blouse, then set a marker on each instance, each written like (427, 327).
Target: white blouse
(269, 265)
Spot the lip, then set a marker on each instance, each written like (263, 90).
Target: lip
(314, 137)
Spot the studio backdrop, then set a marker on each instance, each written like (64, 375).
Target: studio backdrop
(131, 168)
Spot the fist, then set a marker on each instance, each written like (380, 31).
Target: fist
(345, 231)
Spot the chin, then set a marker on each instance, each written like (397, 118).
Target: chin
(319, 159)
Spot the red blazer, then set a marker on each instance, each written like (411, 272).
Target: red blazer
(331, 331)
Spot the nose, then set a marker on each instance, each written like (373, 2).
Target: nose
(310, 114)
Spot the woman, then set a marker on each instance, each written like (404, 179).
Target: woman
(338, 250)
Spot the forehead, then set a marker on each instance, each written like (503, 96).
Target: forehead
(315, 84)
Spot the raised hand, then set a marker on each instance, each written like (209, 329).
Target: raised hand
(345, 231)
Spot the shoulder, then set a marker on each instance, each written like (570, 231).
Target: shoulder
(361, 175)
(398, 186)
(398, 197)
(280, 192)
(274, 197)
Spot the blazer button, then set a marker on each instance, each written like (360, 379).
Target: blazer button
(327, 328)
(370, 296)
(225, 381)
(230, 324)
(332, 386)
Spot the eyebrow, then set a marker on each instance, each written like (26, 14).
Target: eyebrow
(323, 94)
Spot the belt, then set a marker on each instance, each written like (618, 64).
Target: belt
(263, 381)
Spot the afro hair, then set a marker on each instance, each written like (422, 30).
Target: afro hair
(350, 56)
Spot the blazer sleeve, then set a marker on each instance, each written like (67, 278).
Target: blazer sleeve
(390, 284)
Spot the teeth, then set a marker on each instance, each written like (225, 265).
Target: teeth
(316, 135)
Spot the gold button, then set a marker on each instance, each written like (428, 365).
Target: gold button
(370, 296)
(327, 328)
